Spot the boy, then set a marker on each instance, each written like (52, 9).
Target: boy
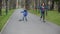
(25, 13)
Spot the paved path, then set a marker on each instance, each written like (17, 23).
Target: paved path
(0, 32)
(32, 26)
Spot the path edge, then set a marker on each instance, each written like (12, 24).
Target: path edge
(6, 23)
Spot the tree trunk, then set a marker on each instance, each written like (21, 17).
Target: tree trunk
(52, 6)
(10, 3)
(14, 4)
(0, 7)
(6, 7)
(59, 6)
(27, 4)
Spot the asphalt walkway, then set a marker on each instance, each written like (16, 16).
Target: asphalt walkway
(32, 26)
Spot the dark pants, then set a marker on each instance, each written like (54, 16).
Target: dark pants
(25, 18)
(43, 15)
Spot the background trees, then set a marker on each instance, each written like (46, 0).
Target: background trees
(7, 4)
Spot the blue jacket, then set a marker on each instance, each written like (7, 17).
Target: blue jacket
(25, 13)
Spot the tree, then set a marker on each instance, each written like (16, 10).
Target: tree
(58, 5)
(6, 6)
(27, 4)
(12, 4)
(22, 3)
(0, 7)
(9, 2)
(52, 5)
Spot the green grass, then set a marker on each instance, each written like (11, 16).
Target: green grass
(36, 12)
(53, 16)
(4, 17)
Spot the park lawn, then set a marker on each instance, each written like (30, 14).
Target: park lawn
(4, 17)
(36, 12)
(53, 16)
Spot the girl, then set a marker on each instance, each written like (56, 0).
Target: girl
(42, 9)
